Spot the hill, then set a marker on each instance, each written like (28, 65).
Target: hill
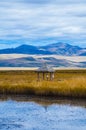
(18, 60)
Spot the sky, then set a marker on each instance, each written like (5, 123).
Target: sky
(41, 22)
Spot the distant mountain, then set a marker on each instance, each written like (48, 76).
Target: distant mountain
(24, 49)
(63, 49)
(57, 48)
(83, 53)
(32, 61)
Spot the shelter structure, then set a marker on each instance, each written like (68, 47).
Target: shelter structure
(45, 72)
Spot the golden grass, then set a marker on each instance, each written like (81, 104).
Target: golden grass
(69, 83)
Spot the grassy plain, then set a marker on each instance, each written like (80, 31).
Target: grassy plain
(67, 83)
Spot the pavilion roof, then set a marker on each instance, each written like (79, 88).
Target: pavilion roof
(45, 68)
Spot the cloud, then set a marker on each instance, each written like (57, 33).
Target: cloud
(47, 1)
(43, 21)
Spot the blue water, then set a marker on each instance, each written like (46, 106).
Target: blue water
(32, 116)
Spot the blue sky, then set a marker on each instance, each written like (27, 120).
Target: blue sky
(41, 22)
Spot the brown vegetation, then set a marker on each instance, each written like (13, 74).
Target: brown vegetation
(68, 83)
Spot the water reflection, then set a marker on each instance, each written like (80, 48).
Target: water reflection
(45, 101)
(41, 113)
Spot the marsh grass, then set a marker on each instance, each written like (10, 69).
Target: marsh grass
(68, 83)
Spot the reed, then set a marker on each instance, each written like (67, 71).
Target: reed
(67, 83)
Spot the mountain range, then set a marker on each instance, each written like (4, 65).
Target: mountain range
(56, 55)
(18, 60)
(51, 49)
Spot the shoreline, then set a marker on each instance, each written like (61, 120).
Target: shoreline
(44, 100)
(40, 97)
(34, 68)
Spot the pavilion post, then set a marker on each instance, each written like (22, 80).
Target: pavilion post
(51, 76)
(47, 77)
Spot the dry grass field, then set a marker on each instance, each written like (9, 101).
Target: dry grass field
(67, 83)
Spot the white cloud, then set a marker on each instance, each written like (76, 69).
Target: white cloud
(43, 20)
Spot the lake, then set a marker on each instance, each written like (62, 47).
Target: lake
(35, 113)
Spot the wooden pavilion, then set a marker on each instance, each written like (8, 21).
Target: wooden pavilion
(45, 72)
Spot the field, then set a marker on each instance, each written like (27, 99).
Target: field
(67, 83)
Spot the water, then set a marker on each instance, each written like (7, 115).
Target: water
(27, 113)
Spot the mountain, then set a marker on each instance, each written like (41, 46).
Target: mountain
(24, 49)
(63, 49)
(34, 61)
(83, 53)
(56, 48)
